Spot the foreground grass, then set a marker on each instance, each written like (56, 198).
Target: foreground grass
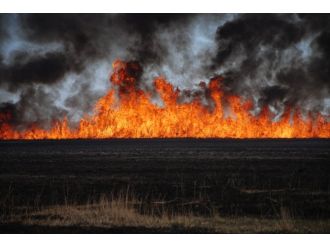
(123, 215)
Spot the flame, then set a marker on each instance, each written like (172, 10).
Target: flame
(127, 111)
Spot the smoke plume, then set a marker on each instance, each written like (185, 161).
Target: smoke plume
(57, 65)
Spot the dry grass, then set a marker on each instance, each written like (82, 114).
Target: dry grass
(125, 211)
(286, 221)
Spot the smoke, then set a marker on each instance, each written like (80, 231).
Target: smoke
(276, 59)
(57, 65)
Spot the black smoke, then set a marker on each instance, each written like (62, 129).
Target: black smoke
(27, 68)
(259, 55)
(56, 65)
(82, 42)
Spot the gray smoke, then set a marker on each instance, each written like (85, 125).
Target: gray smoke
(57, 65)
(278, 60)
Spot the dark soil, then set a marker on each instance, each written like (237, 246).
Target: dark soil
(255, 178)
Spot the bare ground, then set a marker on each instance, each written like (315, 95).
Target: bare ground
(165, 186)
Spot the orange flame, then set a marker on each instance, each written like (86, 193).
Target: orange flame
(135, 116)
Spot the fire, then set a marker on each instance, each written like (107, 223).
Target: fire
(127, 111)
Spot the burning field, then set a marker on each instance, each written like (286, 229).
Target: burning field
(133, 115)
(164, 123)
(171, 76)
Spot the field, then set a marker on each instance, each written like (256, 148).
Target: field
(165, 186)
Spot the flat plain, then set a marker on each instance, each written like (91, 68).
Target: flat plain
(165, 186)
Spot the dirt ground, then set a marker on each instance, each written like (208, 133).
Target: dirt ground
(232, 179)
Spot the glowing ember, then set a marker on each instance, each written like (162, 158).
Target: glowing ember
(135, 116)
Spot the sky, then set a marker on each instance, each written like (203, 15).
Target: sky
(56, 65)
